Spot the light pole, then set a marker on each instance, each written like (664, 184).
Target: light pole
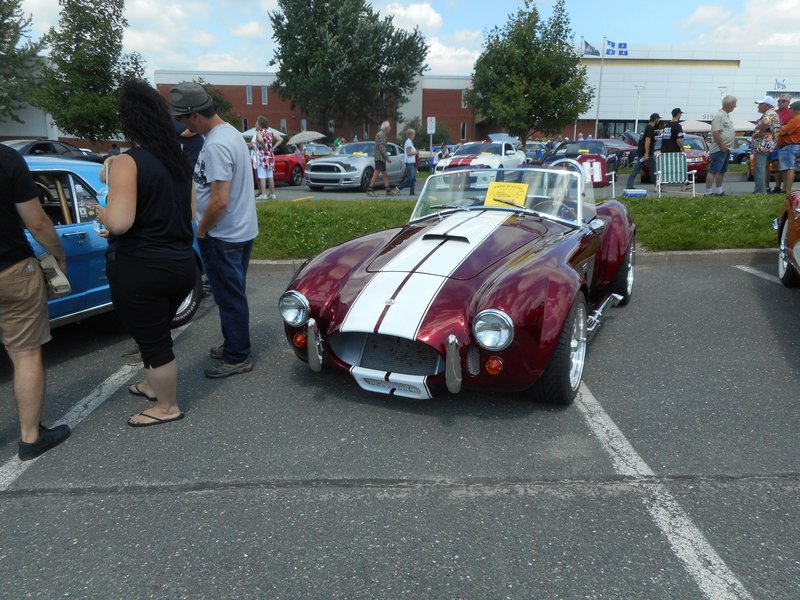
(638, 88)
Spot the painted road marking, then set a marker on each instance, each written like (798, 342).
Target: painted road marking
(758, 273)
(715, 580)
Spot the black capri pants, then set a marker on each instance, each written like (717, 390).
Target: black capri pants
(146, 294)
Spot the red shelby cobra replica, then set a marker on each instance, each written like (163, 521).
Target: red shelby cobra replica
(495, 283)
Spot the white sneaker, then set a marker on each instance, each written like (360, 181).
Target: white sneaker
(272, 197)
(262, 197)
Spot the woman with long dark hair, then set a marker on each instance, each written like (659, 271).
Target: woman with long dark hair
(150, 262)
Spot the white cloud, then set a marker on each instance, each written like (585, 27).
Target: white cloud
(227, 62)
(251, 30)
(44, 15)
(705, 15)
(421, 15)
(776, 23)
(449, 60)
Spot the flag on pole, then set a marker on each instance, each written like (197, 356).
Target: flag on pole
(616, 48)
(589, 49)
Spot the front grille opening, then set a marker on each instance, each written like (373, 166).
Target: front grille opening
(386, 353)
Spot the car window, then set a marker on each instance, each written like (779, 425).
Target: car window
(391, 150)
(367, 148)
(65, 199)
(42, 148)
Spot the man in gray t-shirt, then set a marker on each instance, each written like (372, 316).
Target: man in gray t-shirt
(226, 221)
(719, 150)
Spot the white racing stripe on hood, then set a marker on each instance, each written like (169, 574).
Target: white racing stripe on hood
(405, 288)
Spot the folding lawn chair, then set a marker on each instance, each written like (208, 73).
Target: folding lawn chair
(672, 169)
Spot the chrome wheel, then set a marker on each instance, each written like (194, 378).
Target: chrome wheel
(577, 347)
(783, 261)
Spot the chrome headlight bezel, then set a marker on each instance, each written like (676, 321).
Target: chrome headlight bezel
(493, 330)
(294, 308)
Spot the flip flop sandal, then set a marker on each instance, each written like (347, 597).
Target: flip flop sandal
(156, 420)
(136, 391)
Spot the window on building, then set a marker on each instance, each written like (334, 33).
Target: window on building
(283, 124)
(248, 90)
(463, 130)
(464, 99)
(245, 125)
(264, 95)
(303, 125)
(331, 126)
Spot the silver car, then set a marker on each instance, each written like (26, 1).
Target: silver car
(353, 167)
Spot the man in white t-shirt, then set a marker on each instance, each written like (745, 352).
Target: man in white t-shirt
(719, 150)
(410, 156)
(226, 221)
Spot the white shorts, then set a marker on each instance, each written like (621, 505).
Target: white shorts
(263, 172)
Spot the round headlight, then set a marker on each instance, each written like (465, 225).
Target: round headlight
(493, 330)
(294, 308)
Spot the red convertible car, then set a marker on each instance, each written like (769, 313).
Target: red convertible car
(788, 226)
(496, 282)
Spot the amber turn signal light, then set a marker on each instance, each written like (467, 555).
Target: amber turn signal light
(493, 365)
(299, 340)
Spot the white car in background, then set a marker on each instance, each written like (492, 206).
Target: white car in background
(488, 155)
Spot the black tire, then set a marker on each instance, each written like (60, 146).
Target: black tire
(786, 271)
(744, 159)
(296, 178)
(623, 281)
(702, 179)
(749, 172)
(646, 178)
(191, 303)
(366, 178)
(561, 379)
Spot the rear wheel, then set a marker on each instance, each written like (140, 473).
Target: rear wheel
(191, 303)
(786, 271)
(623, 282)
(561, 379)
(744, 159)
(366, 178)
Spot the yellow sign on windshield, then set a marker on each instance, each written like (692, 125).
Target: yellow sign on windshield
(506, 193)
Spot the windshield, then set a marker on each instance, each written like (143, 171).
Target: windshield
(479, 148)
(578, 148)
(555, 193)
(358, 148)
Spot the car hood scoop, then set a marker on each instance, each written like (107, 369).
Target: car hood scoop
(461, 245)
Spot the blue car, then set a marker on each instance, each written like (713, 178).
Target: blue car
(67, 189)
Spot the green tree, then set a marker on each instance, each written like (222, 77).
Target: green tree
(224, 107)
(81, 80)
(19, 62)
(529, 75)
(441, 135)
(338, 60)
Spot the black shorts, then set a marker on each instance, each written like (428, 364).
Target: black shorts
(380, 166)
(146, 295)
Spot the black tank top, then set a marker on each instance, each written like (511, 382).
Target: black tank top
(162, 227)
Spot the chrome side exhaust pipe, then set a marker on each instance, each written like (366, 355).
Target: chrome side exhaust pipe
(593, 320)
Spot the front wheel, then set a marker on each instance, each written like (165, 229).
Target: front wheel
(296, 177)
(365, 179)
(786, 271)
(191, 303)
(744, 159)
(561, 379)
(623, 282)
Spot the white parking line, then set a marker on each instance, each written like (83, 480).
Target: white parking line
(757, 273)
(14, 467)
(715, 580)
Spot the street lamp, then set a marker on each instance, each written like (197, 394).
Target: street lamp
(639, 88)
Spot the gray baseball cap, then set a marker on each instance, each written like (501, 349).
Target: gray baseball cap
(188, 97)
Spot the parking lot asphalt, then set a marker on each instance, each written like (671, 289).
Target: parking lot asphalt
(675, 475)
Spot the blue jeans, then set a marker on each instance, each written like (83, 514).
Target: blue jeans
(409, 178)
(637, 166)
(760, 172)
(226, 267)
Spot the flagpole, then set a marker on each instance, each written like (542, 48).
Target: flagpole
(600, 85)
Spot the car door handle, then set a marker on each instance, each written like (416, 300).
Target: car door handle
(78, 234)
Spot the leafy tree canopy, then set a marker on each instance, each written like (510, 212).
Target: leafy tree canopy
(81, 80)
(224, 107)
(529, 75)
(18, 65)
(338, 60)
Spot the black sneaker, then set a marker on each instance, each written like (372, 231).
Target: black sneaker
(227, 369)
(48, 438)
